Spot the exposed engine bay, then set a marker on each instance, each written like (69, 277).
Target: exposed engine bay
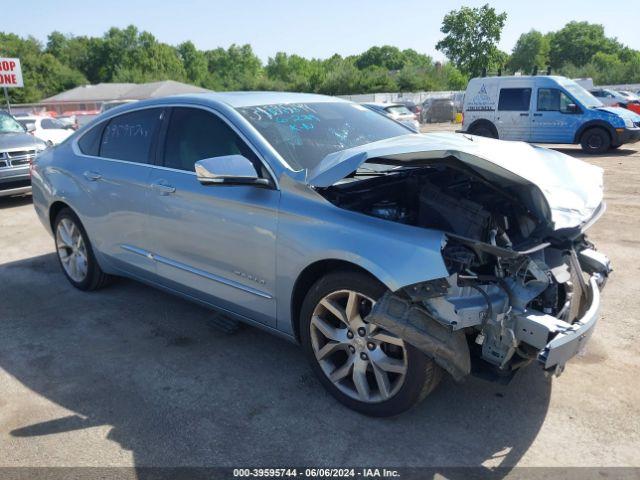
(515, 286)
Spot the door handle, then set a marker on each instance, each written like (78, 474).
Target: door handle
(537, 114)
(92, 176)
(524, 114)
(163, 188)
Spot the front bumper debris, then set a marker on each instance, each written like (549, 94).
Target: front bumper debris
(567, 340)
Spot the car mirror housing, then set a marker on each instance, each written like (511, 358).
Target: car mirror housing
(228, 170)
(30, 127)
(572, 108)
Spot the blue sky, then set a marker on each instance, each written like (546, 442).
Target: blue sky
(309, 28)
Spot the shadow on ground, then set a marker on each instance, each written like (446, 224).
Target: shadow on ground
(578, 153)
(16, 201)
(177, 392)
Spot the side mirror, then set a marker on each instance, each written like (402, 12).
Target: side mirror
(31, 127)
(572, 108)
(229, 170)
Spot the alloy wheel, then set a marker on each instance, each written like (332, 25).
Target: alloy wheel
(361, 359)
(72, 250)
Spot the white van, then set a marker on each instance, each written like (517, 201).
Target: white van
(545, 109)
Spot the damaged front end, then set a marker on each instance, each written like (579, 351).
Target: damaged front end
(523, 281)
(504, 308)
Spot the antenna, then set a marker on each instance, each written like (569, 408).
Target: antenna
(548, 69)
(535, 71)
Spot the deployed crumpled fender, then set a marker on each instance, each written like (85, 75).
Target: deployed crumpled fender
(415, 326)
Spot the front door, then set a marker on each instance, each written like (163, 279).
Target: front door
(214, 242)
(513, 115)
(556, 117)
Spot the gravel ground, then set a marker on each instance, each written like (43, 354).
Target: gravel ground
(130, 376)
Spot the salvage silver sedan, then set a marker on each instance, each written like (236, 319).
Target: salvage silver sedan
(393, 257)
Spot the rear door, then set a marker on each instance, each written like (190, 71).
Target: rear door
(115, 172)
(553, 121)
(214, 242)
(513, 117)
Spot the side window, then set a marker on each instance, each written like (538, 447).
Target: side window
(514, 99)
(553, 100)
(597, 93)
(195, 134)
(128, 136)
(89, 143)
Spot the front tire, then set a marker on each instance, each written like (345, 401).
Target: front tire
(595, 141)
(363, 366)
(75, 253)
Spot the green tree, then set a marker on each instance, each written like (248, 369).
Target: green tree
(577, 42)
(194, 61)
(386, 56)
(471, 37)
(531, 50)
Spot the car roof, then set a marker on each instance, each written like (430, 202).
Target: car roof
(228, 100)
(250, 99)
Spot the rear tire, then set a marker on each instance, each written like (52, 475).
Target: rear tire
(595, 140)
(75, 253)
(420, 375)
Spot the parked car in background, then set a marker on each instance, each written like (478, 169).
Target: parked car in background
(48, 129)
(632, 101)
(113, 104)
(393, 257)
(436, 110)
(608, 97)
(68, 121)
(397, 112)
(415, 108)
(17, 151)
(545, 109)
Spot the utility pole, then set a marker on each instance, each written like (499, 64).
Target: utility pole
(6, 97)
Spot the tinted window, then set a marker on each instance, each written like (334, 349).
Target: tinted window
(514, 99)
(128, 136)
(195, 134)
(304, 133)
(89, 143)
(553, 100)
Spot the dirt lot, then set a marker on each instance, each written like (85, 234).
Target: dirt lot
(131, 376)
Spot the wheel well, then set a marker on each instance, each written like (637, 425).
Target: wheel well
(310, 275)
(596, 124)
(54, 210)
(483, 122)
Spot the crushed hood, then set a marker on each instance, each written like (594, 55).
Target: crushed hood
(572, 189)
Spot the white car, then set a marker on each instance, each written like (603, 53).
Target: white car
(609, 98)
(397, 112)
(48, 129)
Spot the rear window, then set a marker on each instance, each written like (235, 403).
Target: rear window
(514, 99)
(128, 136)
(398, 110)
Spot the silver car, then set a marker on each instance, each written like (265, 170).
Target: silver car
(392, 257)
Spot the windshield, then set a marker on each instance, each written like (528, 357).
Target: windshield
(9, 125)
(304, 133)
(581, 95)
